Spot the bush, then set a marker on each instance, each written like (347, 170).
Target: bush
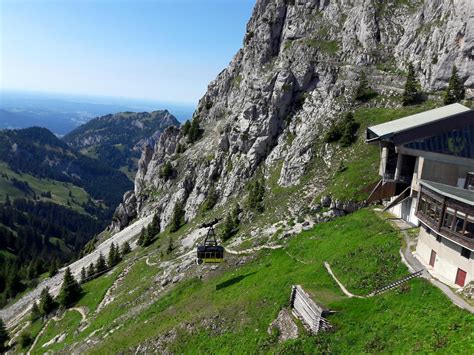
(25, 340)
(343, 131)
(166, 171)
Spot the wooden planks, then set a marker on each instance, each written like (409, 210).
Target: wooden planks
(304, 308)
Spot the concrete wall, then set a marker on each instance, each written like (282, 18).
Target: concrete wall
(406, 210)
(448, 258)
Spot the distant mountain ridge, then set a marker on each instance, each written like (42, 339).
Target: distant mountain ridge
(38, 152)
(117, 139)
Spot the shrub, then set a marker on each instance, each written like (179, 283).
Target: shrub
(166, 171)
(343, 131)
(25, 340)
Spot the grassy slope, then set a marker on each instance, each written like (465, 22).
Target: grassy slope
(248, 298)
(362, 250)
(59, 190)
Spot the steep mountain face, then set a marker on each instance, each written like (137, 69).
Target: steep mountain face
(296, 74)
(118, 139)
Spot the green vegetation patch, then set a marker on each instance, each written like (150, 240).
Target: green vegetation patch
(230, 313)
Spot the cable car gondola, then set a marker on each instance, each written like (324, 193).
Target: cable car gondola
(211, 251)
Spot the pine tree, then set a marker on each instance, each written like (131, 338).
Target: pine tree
(53, 267)
(154, 227)
(70, 290)
(112, 259)
(83, 275)
(364, 92)
(412, 94)
(177, 220)
(126, 248)
(35, 312)
(455, 91)
(91, 271)
(141, 238)
(46, 304)
(4, 337)
(100, 265)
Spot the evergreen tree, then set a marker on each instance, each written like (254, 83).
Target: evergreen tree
(114, 255)
(35, 312)
(4, 337)
(100, 265)
(154, 227)
(364, 92)
(91, 271)
(70, 290)
(111, 259)
(147, 240)
(46, 304)
(455, 91)
(256, 193)
(412, 94)
(211, 199)
(192, 130)
(83, 275)
(177, 220)
(141, 238)
(53, 267)
(126, 248)
(349, 129)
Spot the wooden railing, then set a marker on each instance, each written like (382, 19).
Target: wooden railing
(304, 308)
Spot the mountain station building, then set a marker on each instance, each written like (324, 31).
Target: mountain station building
(427, 177)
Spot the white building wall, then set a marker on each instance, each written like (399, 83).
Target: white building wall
(448, 258)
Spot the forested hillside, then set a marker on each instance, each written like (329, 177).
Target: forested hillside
(118, 139)
(55, 200)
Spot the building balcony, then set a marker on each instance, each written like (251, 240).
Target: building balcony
(449, 211)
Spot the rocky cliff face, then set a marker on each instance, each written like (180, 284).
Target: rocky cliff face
(297, 71)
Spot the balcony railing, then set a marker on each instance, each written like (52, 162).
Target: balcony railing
(447, 217)
(401, 178)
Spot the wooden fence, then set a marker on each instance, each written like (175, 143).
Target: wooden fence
(304, 308)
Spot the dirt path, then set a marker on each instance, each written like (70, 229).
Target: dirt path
(252, 250)
(12, 314)
(341, 286)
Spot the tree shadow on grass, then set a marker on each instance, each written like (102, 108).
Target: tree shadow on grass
(233, 281)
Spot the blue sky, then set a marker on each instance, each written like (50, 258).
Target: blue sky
(167, 50)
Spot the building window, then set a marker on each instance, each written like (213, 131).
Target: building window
(438, 238)
(470, 181)
(459, 222)
(469, 232)
(466, 253)
(448, 218)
